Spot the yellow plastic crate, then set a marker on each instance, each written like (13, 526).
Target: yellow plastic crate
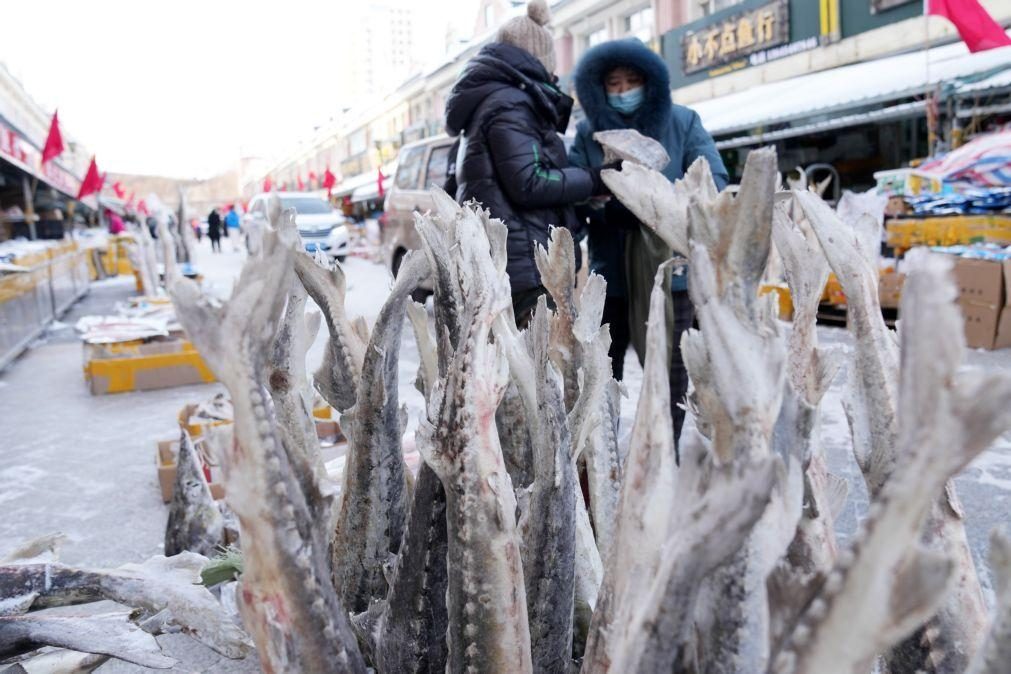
(783, 298)
(137, 366)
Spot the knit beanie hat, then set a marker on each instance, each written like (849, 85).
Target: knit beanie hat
(528, 33)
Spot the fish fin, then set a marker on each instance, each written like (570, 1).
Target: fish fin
(591, 308)
(360, 329)
(837, 490)
(920, 586)
(557, 267)
(828, 363)
(428, 367)
(313, 323)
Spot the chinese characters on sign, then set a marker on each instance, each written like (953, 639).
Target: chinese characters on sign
(736, 36)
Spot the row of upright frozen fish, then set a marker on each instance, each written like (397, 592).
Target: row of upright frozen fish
(722, 559)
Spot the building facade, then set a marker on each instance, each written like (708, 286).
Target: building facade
(718, 52)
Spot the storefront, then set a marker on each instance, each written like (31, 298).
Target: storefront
(847, 121)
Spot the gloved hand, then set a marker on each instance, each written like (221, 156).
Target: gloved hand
(599, 188)
(618, 216)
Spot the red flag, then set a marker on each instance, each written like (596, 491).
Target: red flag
(129, 202)
(975, 26)
(117, 187)
(142, 208)
(267, 184)
(301, 185)
(381, 179)
(54, 141)
(92, 182)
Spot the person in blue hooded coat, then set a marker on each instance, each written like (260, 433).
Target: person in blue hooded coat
(624, 85)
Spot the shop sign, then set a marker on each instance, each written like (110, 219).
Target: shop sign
(28, 158)
(736, 37)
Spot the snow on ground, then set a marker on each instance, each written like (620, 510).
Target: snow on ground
(84, 465)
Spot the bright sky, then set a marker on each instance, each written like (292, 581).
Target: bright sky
(183, 87)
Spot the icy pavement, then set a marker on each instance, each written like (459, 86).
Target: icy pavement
(84, 465)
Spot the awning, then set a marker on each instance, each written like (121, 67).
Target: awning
(371, 191)
(850, 89)
(365, 181)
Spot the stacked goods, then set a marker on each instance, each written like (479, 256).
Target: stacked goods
(39, 280)
(983, 274)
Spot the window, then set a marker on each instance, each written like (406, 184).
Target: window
(409, 170)
(305, 205)
(596, 37)
(259, 208)
(438, 161)
(640, 24)
(713, 6)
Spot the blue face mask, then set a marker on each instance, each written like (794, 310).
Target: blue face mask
(628, 102)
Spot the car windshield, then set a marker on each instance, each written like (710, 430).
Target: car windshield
(306, 205)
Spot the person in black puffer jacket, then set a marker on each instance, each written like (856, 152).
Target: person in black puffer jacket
(508, 113)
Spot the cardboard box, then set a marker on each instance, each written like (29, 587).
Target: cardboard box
(890, 289)
(168, 451)
(1007, 282)
(986, 326)
(980, 281)
(329, 431)
(117, 368)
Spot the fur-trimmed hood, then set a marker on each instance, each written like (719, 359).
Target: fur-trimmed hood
(655, 113)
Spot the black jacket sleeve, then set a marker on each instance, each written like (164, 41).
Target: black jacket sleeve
(520, 165)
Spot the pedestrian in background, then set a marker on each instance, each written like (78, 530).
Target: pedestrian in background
(232, 227)
(214, 230)
(624, 85)
(509, 110)
(116, 225)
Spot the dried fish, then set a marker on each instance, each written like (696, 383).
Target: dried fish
(194, 521)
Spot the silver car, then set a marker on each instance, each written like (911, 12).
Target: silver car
(319, 224)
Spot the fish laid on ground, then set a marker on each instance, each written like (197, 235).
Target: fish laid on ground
(194, 521)
(886, 585)
(287, 598)
(486, 600)
(948, 642)
(374, 502)
(111, 634)
(159, 584)
(57, 661)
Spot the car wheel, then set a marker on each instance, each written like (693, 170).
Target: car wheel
(341, 258)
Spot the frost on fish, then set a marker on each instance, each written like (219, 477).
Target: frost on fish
(886, 585)
(338, 375)
(994, 653)
(169, 584)
(675, 526)
(194, 521)
(486, 601)
(630, 145)
(659, 204)
(948, 642)
(374, 505)
(287, 599)
(547, 524)
(809, 371)
(110, 634)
